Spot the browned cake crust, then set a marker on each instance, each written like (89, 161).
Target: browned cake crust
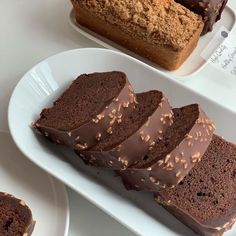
(15, 217)
(181, 147)
(162, 31)
(138, 133)
(206, 199)
(80, 116)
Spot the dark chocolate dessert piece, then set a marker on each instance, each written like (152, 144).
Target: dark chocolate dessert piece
(206, 199)
(135, 134)
(80, 117)
(210, 10)
(171, 159)
(15, 217)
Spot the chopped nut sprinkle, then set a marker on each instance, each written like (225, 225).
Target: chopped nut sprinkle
(22, 203)
(177, 159)
(188, 136)
(81, 146)
(100, 116)
(160, 162)
(98, 136)
(178, 174)
(152, 179)
(147, 138)
(126, 104)
(113, 121)
(109, 130)
(95, 120)
(196, 155)
(142, 137)
(167, 158)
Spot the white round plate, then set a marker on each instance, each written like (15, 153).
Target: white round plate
(45, 196)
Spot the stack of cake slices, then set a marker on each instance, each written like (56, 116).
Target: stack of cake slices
(163, 31)
(172, 152)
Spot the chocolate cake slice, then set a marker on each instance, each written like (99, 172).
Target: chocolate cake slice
(210, 10)
(171, 159)
(134, 135)
(15, 217)
(205, 200)
(82, 111)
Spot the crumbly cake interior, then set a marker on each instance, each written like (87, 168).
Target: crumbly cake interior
(148, 102)
(14, 217)
(161, 22)
(86, 97)
(208, 192)
(184, 119)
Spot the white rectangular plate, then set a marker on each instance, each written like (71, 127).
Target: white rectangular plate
(44, 82)
(191, 66)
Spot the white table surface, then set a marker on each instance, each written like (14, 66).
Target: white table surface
(30, 31)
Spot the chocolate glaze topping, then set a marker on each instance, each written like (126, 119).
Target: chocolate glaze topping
(130, 150)
(175, 154)
(210, 10)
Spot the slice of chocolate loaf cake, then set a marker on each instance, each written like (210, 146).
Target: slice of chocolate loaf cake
(210, 10)
(15, 217)
(171, 159)
(134, 135)
(82, 112)
(206, 199)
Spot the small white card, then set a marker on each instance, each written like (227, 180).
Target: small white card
(221, 52)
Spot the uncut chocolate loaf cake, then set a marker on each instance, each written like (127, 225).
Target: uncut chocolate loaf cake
(15, 217)
(206, 199)
(180, 148)
(210, 10)
(134, 135)
(80, 117)
(163, 31)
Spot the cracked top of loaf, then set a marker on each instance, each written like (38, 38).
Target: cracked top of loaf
(160, 22)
